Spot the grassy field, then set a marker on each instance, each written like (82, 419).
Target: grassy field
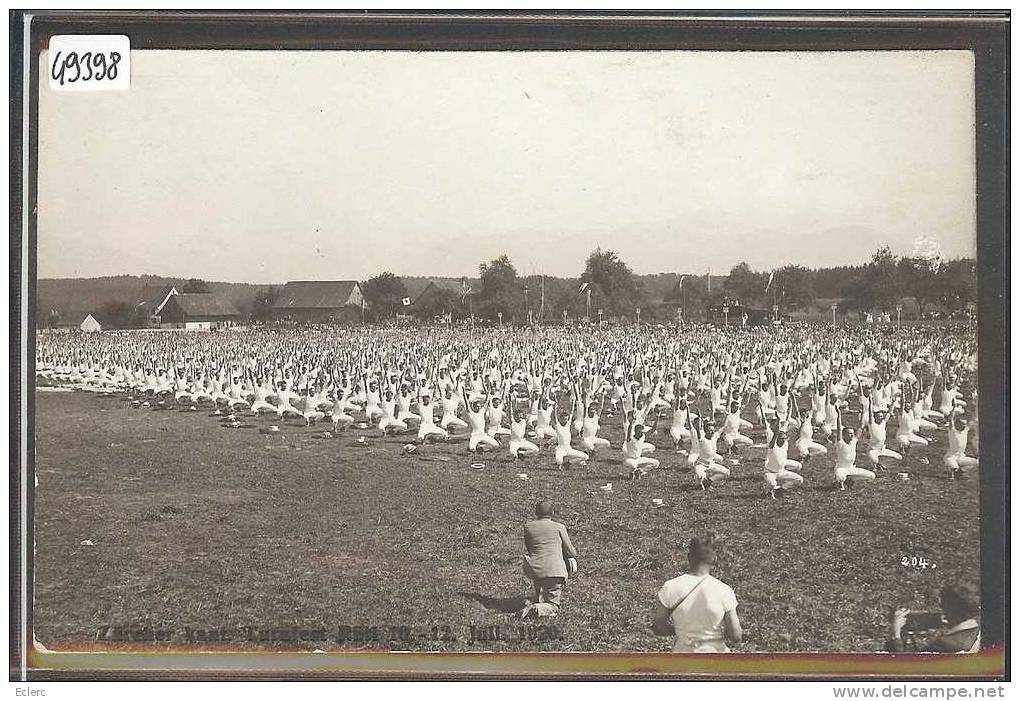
(198, 527)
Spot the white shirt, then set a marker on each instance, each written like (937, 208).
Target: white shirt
(698, 621)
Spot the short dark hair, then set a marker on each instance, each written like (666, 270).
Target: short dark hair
(702, 551)
(959, 602)
(544, 508)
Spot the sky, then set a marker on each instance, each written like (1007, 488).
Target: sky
(268, 166)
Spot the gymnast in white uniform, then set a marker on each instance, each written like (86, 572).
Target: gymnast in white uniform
(846, 455)
(451, 404)
(906, 429)
(564, 452)
(543, 421)
(427, 429)
(780, 470)
(494, 418)
(520, 446)
(388, 421)
(956, 458)
(634, 457)
(806, 445)
(680, 429)
(708, 466)
(877, 424)
(476, 413)
(732, 426)
(590, 439)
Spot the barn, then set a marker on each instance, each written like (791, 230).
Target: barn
(198, 311)
(431, 297)
(320, 301)
(151, 299)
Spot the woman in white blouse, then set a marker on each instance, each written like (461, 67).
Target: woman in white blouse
(696, 608)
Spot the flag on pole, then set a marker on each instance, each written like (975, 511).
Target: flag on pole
(406, 301)
(772, 276)
(681, 283)
(584, 286)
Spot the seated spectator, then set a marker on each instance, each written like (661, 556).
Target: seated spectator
(961, 633)
(696, 608)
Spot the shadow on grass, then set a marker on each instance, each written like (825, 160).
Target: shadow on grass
(688, 487)
(511, 604)
(756, 495)
(604, 476)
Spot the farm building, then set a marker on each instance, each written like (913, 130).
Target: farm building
(153, 300)
(198, 311)
(304, 300)
(430, 297)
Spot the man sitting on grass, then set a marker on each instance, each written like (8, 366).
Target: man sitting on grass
(546, 564)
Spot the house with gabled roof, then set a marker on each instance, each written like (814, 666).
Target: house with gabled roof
(153, 299)
(198, 311)
(320, 301)
(426, 295)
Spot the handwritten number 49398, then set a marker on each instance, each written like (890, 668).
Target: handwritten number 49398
(87, 66)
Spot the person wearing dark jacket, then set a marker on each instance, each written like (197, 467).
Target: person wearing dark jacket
(962, 632)
(548, 562)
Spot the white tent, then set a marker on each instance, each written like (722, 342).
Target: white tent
(90, 324)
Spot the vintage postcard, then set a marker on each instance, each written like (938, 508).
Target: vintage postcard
(337, 349)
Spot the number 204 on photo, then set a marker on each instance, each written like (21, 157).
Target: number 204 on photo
(88, 62)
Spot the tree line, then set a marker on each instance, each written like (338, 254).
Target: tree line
(876, 286)
(608, 289)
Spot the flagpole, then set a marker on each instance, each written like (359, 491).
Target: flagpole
(541, 308)
(683, 300)
(775, 296)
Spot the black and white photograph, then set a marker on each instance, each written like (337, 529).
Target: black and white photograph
(597, 351)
